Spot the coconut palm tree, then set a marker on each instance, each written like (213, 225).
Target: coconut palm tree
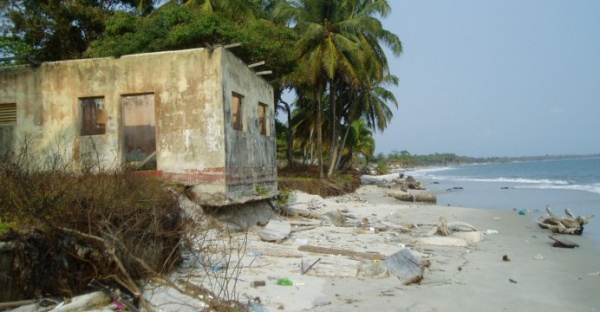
(359, 142)
(339, 42)
(240, 10)
(369, 104)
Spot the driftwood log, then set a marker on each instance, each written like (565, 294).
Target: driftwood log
(569, 225)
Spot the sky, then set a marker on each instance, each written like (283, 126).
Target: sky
(495, 78)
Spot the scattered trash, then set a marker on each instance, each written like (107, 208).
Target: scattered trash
(305, 269)
(256, 284)
(118, 306)
(522, 212)
(372, 270)
(284, 282)
(538, 257)
(217, 267)
(505, 258)
(257, 307)
(301, 241)
(594, 274)
(512, 280)
(488, 232)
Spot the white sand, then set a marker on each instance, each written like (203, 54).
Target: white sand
(472, 278)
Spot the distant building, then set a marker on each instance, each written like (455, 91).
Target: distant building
(197, 117)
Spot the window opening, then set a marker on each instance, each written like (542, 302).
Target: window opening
(237, 112)
(8, 114)
(262, 118)
(94, 116)
(8, 122)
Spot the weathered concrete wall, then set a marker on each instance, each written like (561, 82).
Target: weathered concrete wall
(195, 143)
(250, 155)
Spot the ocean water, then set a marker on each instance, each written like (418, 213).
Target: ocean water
(527, 185)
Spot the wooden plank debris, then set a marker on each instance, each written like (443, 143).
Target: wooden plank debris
(563, 243)
(343, 252)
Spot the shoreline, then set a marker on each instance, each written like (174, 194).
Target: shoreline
(538, 277)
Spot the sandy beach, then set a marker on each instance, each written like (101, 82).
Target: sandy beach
(508, 264)
(537, 277)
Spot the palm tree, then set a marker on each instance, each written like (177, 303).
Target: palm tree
(370, 104)
(359, 140)
(339, 42)
(239, 10)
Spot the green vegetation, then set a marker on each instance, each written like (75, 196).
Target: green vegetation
(261, 190)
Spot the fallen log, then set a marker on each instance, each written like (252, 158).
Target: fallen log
(426, 198)
(407, 197)
(343, 252)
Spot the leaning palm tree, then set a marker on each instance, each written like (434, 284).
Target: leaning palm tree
(369, 103)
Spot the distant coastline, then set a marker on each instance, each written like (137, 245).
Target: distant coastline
(398, 160)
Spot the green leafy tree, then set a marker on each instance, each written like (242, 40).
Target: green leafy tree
(55, 30)
(360, 141)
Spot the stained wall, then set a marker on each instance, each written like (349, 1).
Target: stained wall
(191, 94)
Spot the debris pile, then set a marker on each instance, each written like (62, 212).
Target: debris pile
(569, 225)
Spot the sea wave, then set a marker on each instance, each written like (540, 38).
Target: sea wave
(423, 171)
(593, 188)
(503, 180)
(520, 180)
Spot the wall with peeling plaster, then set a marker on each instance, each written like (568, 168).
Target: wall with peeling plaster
(195, 140)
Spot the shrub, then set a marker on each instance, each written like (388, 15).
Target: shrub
(70, 226)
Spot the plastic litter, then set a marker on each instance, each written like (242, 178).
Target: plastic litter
(284, 282)
(257, 307)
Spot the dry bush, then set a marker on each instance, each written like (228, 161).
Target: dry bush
(62, 227)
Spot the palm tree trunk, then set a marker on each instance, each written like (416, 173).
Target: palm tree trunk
(334, 137)
(337, 163)
(319, 135)
(290, 139)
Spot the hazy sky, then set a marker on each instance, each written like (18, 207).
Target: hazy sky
(495, 77)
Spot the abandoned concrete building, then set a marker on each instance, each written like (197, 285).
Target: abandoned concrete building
(199, 117)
